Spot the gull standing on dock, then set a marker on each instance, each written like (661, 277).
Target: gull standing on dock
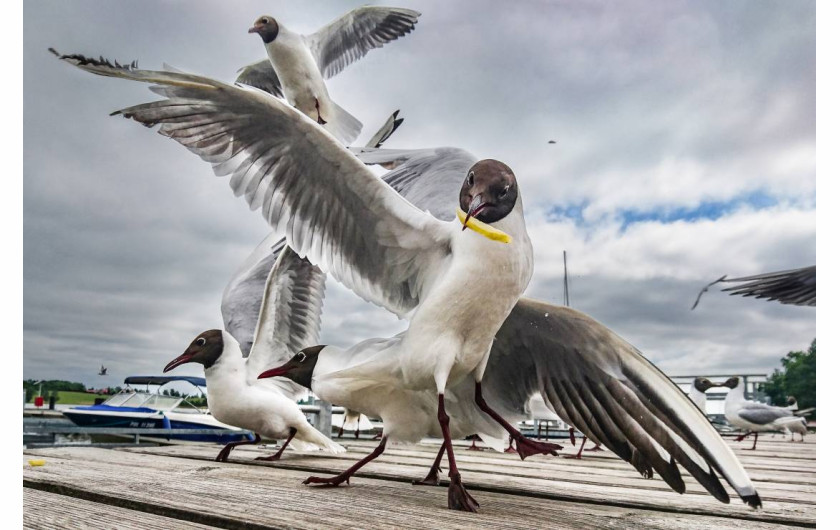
(755, 417)
(301, 63)
(290, 318)
(586, 374)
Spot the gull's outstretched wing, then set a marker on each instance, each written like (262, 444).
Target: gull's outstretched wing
(290, 316)
(261, 75)
(242, 299)
(796, 286)
(331, 207)
(595, 380)
(429, 178)
(349, 37)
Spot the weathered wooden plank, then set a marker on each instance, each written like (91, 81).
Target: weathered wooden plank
(261, 497)
(511, 465)
(44, 510)
(556, 488)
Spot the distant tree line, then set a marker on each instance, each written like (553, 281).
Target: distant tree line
(797, 378)
(53, 386)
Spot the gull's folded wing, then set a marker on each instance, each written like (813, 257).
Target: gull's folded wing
(331, 207)
(596, 381)
(760, 414)
(349, 37)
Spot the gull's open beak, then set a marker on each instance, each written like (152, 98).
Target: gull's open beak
(476, 205)
(253, 30)
(178, 361)
(274, 372)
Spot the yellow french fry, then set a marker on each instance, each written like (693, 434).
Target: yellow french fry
(483, 228)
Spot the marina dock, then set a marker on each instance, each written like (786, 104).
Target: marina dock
(181, 486)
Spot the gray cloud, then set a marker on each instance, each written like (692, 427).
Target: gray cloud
(129, 240)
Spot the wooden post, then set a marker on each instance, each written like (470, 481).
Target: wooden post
(324, 420)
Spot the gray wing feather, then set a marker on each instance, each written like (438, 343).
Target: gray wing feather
(242, 298)
(795, 287)
(261, 75)
(429, 178)
(351, 36)
(762, 414)
(602, 385)
(290, 316)
(332, 209)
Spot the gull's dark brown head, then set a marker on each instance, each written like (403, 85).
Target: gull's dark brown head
(489, 191)
(702, 384)
(266, 27)
(204, 349)
(299, 368)
(732, 382)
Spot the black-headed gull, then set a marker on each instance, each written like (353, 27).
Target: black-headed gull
(300, 63)
(697, 392)
(755, 417)
(290, 317)
(457, 284)
(587, 375)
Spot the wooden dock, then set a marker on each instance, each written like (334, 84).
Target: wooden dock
(180, 486)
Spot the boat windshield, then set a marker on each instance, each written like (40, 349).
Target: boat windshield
(144, 399)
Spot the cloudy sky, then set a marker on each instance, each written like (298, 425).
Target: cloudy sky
(685, 150)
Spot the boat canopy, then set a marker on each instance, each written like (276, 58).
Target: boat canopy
(163, 379)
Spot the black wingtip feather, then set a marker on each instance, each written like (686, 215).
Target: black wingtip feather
(754, 501)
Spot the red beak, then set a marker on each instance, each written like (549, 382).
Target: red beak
(178, 361)
(253, 30)
(475, 207)
(274, 372)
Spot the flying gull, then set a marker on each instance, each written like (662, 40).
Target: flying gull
(795, 286)
(289, 319)
(298, 64)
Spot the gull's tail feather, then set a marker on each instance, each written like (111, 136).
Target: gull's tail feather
(343, 125)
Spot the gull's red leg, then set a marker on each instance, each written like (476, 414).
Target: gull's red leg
(432, 479)
(472, 446)
(577, 456)
(510, 448)
(278, 454)
(345, 476)
(459, 499)
(524, 446)
(225, 452)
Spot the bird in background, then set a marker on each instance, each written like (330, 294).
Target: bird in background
(103, 370)
(754, 417)
(297, 65)
(794, 287)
